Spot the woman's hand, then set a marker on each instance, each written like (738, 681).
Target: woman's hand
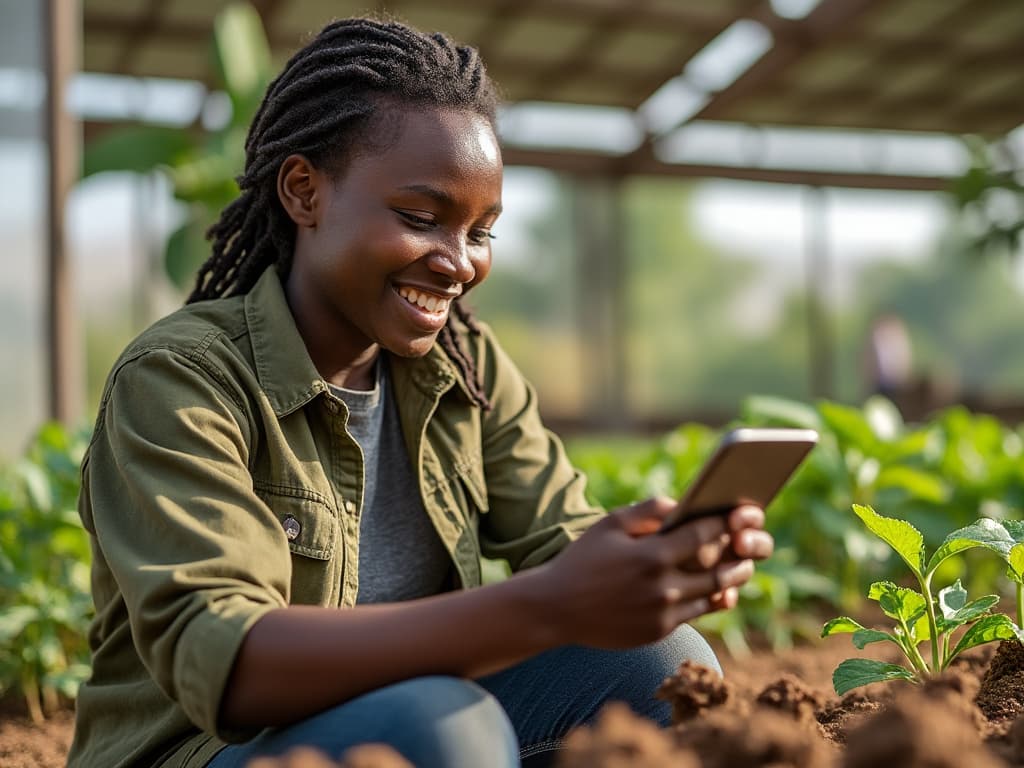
(623, 584)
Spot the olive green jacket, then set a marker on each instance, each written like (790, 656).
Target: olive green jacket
(221, 484)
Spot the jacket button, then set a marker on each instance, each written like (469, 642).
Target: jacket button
(292, 528)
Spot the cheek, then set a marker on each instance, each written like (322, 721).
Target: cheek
(482, 267)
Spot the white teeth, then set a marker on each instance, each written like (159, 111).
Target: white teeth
(423, 300)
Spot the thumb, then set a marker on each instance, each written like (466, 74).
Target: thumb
(645, 517)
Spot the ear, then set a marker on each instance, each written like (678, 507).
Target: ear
(298, 189)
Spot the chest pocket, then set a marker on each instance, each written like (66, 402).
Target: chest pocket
(311, 528)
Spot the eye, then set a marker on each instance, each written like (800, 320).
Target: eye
(480, 236)
(416, 220)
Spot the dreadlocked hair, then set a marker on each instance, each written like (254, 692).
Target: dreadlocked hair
(321, 106)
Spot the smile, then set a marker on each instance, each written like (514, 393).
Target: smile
(425, 301)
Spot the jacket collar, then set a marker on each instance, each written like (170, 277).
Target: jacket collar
(287, 374)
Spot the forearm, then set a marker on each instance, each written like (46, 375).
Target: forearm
(299, 660)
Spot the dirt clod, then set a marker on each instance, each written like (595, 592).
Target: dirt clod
(791, 695)
(693, 690)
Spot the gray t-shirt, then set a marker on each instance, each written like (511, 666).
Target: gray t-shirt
(401, 557)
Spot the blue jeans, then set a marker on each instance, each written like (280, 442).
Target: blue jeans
(519, 714)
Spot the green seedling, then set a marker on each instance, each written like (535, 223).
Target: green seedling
(925, 616)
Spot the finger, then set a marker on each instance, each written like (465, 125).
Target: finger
(724, 600)
(686, 586)
(645, 517)
(753, 543)
(682, 543)
(747, 516)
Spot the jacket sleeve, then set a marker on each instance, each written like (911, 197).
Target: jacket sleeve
(196, 555)
(535, 496)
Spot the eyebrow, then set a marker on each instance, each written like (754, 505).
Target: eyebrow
(440, 196)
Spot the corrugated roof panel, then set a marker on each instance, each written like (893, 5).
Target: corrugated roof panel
(636, 49)
(167, 59)
(462, 24)
(907, 18)
(540, 38)
(830, 67)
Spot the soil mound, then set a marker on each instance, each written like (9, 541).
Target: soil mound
(766, 738)
(922, 728)
(1002, 688)
(620, 739)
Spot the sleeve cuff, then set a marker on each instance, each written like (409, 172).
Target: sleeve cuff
(207, 651)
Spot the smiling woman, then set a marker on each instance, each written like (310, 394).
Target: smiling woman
(292, 478)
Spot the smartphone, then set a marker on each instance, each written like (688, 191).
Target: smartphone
(749, 466)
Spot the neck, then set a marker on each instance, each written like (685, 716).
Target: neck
(343, 356)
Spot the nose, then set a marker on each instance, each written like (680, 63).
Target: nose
(452, 260)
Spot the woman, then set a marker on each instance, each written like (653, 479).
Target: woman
(323, 426)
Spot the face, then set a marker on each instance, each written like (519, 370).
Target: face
(384, 246)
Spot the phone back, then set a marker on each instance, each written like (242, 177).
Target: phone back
(749, 467)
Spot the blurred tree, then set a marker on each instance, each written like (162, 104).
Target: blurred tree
(991, 198)
(695, 340)
(202, 166)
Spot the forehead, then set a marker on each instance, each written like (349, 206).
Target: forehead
(430, 144)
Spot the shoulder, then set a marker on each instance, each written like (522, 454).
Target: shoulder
(206, 340)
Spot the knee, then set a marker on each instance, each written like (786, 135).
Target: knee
(686, 643)
(446, 721)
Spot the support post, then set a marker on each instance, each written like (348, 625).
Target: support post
(599, 222)
(62, 30)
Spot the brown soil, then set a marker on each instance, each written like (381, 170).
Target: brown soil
(774, 710)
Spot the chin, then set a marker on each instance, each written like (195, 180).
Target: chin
(411, 347)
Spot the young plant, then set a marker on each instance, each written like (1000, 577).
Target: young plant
(923, 616)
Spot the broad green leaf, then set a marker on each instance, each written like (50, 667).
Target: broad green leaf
(140, 149)
(883, 417)
(37, 484)
(242, 56)
(840, 625)
(777, 410)
(186, 251)
(14, 619)
(920, 628)
(981, 533)
(974, 610)
(898, 534)
(1015, 527)
(208, 179)
(952, 599)
(998, 626)
(849, 425)
(854, 673)
(1016, 562)
(865, 637)
(898, 602)
(916, 483)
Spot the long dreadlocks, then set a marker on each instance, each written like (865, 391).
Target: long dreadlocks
(322, 105)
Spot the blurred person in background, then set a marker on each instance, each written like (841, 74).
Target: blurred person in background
(888, 357)
(293, 477)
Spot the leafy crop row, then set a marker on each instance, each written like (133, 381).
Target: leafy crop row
(45, 605)
(939, 476)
